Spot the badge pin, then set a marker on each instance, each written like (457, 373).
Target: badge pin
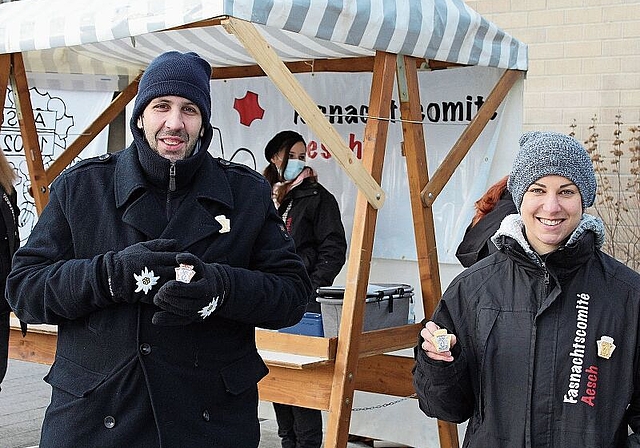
(146, 280)
(209, 308)
(441, 340)
(606, 347)
(224, 222)
(184, 273)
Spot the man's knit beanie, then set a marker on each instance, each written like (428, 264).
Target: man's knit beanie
(175, 74)
(550, 153)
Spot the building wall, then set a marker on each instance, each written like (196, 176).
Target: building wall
(584, 60)
(584, 70)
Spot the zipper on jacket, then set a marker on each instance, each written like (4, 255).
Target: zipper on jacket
(172, 177)
(547, 278)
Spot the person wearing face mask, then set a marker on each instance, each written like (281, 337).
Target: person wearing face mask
(541, 343)
(312, 216)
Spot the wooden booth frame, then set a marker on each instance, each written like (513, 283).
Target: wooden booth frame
(331, 369)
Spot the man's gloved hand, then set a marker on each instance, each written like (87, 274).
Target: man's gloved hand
(136, 272)
(185, 303)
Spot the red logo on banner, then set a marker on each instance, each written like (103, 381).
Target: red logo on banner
(248, 108)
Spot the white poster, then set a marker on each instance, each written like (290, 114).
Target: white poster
(246, 113)
(60, 116)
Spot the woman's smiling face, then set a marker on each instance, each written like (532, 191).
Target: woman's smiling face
(551, 210)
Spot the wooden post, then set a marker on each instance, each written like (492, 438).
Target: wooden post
(5, 70)
(417, 170)
(361, 250)
(32, 153)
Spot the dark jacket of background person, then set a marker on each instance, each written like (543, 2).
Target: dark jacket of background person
(120, 380)
(9, 243)
(491, 208)
(539, 298)
(316, 227)
(311, 214)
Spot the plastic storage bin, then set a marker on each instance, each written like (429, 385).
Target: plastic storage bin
(309, 325)
(387, 305)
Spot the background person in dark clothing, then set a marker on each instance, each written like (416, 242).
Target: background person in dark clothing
(491, 208)
(157, 263)
(312, 216)
(9, 243)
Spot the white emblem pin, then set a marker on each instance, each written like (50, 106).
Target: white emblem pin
(210, 308)
(184, 273)
(606, 347)
(145, 280)
(224, 222)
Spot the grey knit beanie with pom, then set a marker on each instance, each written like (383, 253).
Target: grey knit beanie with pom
(175, 74)
(550, 153)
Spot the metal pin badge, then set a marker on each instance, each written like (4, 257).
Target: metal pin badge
(441, 340)
(606, 347)
(184, 273)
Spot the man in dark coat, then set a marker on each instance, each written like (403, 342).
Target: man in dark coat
(157, 263)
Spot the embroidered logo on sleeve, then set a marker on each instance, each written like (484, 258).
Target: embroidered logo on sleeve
(145, 281)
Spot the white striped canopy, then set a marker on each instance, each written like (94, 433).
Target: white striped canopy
(120, 37)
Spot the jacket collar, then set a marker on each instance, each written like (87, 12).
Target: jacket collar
(512, 231)
(138, 200)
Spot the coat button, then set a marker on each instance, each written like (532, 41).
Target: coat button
(109, 422)
(205, 415)
(145, 348)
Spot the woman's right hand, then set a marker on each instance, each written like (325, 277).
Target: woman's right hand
(428, 346)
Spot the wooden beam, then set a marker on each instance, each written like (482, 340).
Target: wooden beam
(360, 253)
(346, 65)
(32, 153)
(418, 174)
(389, 339)
(297, 344)
(36, 346)
(103, 120)
(290, 87)
(298, 387)
(468, 137)
(5, 71)
(386, 374)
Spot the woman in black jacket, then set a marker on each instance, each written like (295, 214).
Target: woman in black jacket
(312, 217)
(9, 242)
(543, 335)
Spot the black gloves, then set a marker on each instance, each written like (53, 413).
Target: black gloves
(138, 271)
(185, 303)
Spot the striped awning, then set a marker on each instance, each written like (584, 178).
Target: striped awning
(118, 38)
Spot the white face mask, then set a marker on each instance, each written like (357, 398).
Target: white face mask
(293, 169)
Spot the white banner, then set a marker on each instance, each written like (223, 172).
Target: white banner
(60, 116)
(246, 113)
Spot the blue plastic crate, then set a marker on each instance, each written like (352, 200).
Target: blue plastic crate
(309, 325)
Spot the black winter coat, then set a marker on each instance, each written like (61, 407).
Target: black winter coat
(526, 369)
(118, 380)
(314, 222)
